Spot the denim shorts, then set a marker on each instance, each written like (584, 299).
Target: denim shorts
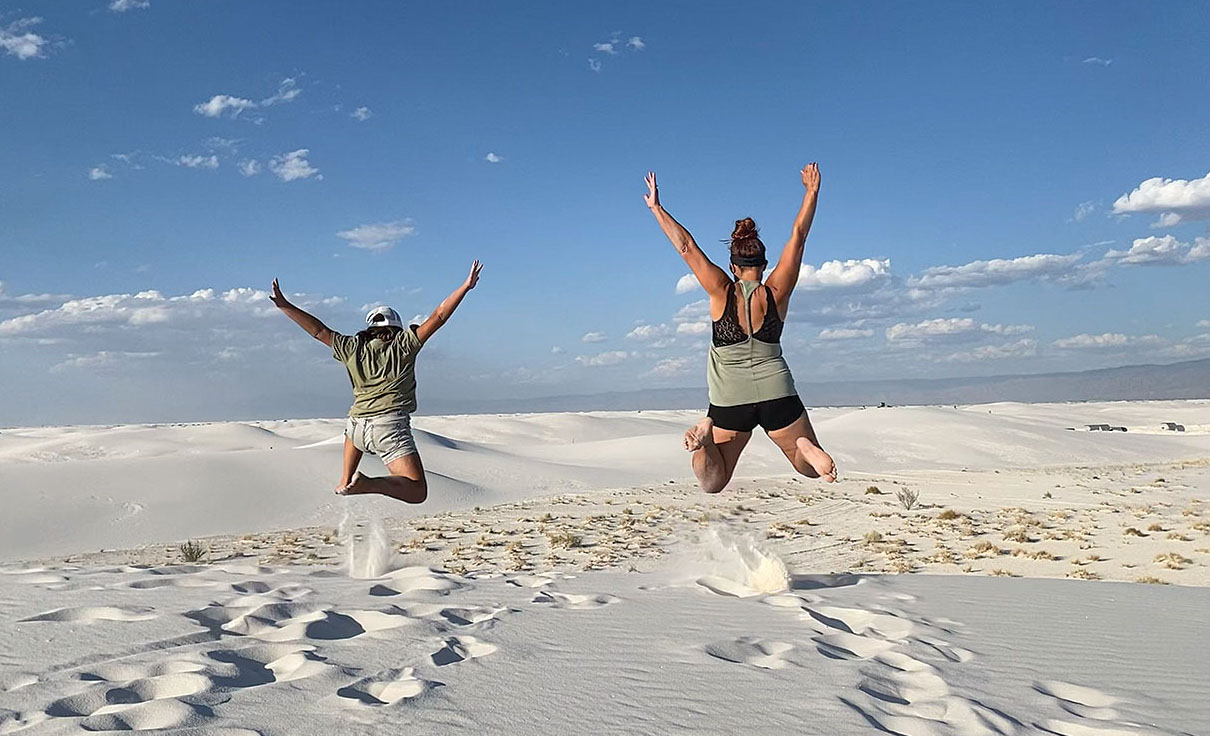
(389, 436)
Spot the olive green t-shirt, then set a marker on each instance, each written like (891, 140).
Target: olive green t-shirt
(383, 374)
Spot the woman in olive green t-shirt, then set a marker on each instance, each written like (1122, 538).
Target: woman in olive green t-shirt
(748, 379)
(381, 362)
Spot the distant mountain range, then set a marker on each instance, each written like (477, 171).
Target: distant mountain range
(1186, 380)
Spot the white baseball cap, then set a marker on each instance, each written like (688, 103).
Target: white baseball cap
(383, 317)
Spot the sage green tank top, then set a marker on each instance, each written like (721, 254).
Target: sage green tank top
(743, 366)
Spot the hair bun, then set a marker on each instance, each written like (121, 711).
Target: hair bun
(744, 229)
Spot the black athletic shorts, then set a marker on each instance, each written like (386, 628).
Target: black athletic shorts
(771, 415)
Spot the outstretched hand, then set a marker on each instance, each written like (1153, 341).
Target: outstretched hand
(652, 197)
(810, 177)
(279, 299)
(473, 277)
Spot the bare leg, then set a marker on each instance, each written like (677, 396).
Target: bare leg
(405, 483)
(801, 447)
(715, 453)
(351, 460)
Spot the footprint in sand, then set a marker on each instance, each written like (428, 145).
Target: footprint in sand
(859, 621)
(843, 645)
(414, 580)
(768, 655)
(387, 688)
(91, 614)
(1095, 709)
(149, 716)
(461, 648)
(573, 601)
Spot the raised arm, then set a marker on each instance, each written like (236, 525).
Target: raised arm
(785, 275)
(308, 322)
(712, 278)
(445, 310)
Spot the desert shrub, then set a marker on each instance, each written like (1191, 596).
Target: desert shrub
(872, 537)
(1133, 532)
(908, 498)
(192, 551)
(873, 490)
(948, 515)
(564, 539)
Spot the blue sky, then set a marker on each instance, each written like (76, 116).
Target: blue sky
(1005, 189)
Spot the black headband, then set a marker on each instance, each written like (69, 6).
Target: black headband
(758, 260)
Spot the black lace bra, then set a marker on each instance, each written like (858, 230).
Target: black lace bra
(727, 330)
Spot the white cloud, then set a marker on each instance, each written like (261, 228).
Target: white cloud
(636, 43)
(844, 274)
(693, 328)
(98, 173)
(931, 328)
(1007, 330)
(1176, 199)
(18, 41)
(594, 65)
(687, 283)
(672, 367)
(1020, 349)
(361, 114)
(492, 158)
(604, 48)
(844, 333)
(100, 360)
(998, 271)
(1098, 61)
(556, 350)
(1204, 323)
(121, 6)
(594, 337)
(287, 90)
(1162, 251)
(1105, 340)
(693, 318)
(379, 236)
(609, 357)
(220, 104)
(649, 332)
(249, 167)
(293, 165)
(1083, 210)
(198, 162)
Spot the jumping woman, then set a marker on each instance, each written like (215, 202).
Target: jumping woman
(748, 379)
(381, 361)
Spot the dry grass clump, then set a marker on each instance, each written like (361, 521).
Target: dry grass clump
(982, 548)
(1202, 526)
(1179, 537)
(907, 498)
(779, 530)
(948, 515)
(1082, 574)
(872, 490)
(1040, 554)
(1002, 573)
(191, 551)
(1150, 580)
(872, 537)
(1157, 527)
(1017, 535)
(1133, 532)
(942, 555)
(1173, 560)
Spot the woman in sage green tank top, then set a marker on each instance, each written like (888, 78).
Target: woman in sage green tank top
(748, 379)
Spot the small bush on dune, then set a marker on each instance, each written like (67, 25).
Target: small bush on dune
(908, 498)
(1133, 532)
(872, 537)
(192, 551)
(873, 490)
(948, 515)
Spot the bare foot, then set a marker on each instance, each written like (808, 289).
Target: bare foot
(353, 487)
(700, 435)
(818, 459)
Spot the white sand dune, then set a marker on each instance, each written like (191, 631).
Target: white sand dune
(593, 589)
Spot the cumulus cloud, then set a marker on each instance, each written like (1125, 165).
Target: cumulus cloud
(101, 360)
(287, 90)
(609, 357)
(844, 333)
(594, 337)
(687, 283)
(1176, 200)
(492, 158)
(17, 40)
(636, 43)
(1024, 348)
(121, 6)
(1105, 340)
(198, 162)
(97, 173)
(693, 318)
(672, 367)
(378, 236)
(361, 114)
(556, 350)
(249, 167)
(1162, 251)
(998, 271)
(605, 48)
(844, 274)
(293, 165)
(217, 105)
(594, 65)
(949, 328)
(1083, 210)
(650, 332)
